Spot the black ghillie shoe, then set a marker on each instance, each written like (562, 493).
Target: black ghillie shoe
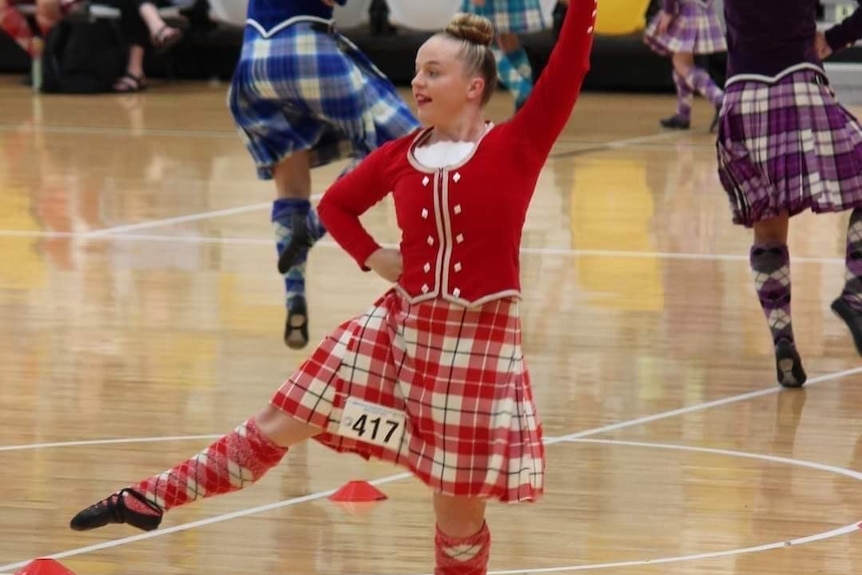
(852, 318)
(788, 365)
(675, 122)
(113, 509)
(296, 325)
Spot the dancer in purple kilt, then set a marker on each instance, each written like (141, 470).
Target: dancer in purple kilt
(786, 145)
(680, 30)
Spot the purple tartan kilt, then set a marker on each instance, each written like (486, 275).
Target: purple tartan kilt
(695, 29)
(787, 147)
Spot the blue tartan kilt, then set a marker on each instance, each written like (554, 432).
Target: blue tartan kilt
(307, 87)
(515, 16)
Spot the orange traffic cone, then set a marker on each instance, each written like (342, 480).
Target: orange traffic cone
(357, 497)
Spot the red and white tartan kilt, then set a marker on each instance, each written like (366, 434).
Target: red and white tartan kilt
(459, 376)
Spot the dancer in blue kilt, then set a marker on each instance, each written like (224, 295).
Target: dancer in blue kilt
(303, 96)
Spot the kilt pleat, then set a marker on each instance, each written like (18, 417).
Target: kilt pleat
(310, 89)
(696, 29)
(459, 376)
(516, 16)
(786, 147)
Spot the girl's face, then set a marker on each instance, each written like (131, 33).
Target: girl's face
(441, 87)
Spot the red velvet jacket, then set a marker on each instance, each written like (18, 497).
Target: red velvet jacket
(461, 225)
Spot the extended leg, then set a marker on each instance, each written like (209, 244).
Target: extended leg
(233, 462)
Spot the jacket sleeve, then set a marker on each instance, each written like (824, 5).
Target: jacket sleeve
(352, 195)
(544, 115)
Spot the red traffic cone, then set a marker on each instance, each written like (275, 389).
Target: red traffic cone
(43, 566)
(358, 497)
(357, 492)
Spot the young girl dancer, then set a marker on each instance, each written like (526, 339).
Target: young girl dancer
(303, 96)
(681, 29)
(432, 377)
(786, 145)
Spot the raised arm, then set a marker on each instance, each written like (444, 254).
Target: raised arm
(847, 31)
(544, 115)
(351, 196)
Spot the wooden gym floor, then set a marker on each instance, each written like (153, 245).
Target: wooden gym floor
(143, 317)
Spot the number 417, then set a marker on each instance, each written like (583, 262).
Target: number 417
(359, 426)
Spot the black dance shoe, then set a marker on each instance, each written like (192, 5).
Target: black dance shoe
(675, 122)
(296, 331)
(852, 318)
(113, 509)
(788, 365)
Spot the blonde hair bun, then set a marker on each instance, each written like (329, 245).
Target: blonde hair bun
(471, 28)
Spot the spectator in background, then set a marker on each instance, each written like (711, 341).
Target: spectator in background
(143, 27)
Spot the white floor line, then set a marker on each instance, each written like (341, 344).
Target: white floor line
(635, 141)
(184, 219)
(97, 131)
(232, 135)
(255, 207)
(176, 220)
(707, 405)
(115, 441)
(851, 528)
(200, 523)
(319, 495)
(117, 235)
(844, 530)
